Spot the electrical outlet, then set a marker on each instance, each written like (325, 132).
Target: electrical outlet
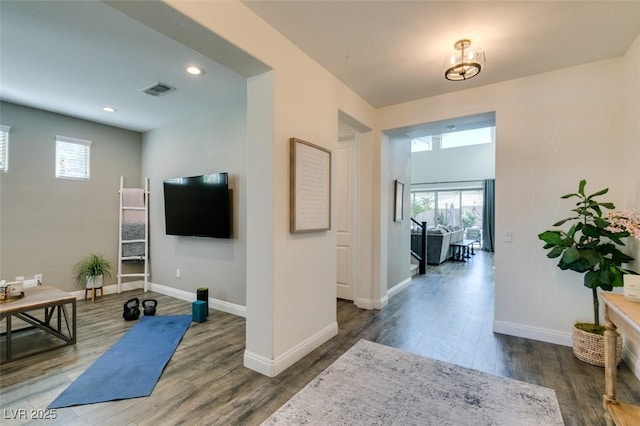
(177, 273)
(39, 278)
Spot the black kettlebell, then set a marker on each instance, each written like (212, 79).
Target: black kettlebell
(131, 309)
(149, 306)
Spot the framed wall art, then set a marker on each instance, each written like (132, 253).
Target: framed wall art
(399, 198)
(310, 187)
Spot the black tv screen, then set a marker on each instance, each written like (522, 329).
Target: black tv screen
(198, 206)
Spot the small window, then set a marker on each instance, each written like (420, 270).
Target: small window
(468, 137)
(424, 143)
(4, 148)
(72, 158)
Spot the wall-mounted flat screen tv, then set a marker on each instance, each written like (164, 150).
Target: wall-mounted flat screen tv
(198, 206)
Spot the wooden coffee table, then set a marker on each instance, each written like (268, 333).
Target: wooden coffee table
(56, 322)
(462, 250)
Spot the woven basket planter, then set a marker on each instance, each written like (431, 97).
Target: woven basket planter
(589, 347)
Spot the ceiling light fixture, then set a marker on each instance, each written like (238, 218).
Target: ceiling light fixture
(466, 65)
(109, 109)
(195, 70)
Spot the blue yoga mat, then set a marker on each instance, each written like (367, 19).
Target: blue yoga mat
(132, 366)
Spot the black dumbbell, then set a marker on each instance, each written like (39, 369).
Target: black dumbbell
(149, 306)
(131, 309)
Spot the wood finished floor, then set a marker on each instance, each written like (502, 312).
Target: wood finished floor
(446, 314)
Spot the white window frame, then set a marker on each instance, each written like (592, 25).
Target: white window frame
(471, 137)
(421, 144)
(82, 154)
(4, 148)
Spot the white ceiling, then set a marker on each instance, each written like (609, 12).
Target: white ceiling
(394, 51)
(75, 57)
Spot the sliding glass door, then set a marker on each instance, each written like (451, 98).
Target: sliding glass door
(461, 207)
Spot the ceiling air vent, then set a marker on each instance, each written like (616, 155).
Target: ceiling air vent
(158, 89)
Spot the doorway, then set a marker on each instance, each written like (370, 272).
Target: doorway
(346, 197)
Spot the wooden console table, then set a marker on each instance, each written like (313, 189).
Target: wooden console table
(624, 315)
(53, 301)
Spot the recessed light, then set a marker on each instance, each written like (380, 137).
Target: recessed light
(109, 109)
(195, 70)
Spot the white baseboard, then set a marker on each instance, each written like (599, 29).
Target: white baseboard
(534, 333)
(272, 368)
(363, 303)
(400, 286)
(219, 305)
(110, 289)
(259, 363)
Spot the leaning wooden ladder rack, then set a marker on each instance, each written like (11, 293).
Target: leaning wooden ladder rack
(140, 212)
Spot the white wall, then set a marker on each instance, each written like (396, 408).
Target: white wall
(213, 141)
(631, 156)
(398, 236)
(48, 224)
(576, 117)
(467, 163)
(631, 160)
(297, 310)
(372, 284)
(552, 130)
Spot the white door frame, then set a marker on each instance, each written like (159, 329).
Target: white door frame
(354, 140)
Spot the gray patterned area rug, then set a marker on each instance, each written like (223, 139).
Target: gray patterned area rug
(372, 384)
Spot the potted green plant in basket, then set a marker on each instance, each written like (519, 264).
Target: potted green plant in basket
(91, 270)
(590, 247)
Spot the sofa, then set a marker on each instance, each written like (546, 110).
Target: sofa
(439, 241)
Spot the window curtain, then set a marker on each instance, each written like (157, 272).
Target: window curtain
(489, 215)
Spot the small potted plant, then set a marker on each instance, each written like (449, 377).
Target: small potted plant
(590, 247)
(91, 270)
